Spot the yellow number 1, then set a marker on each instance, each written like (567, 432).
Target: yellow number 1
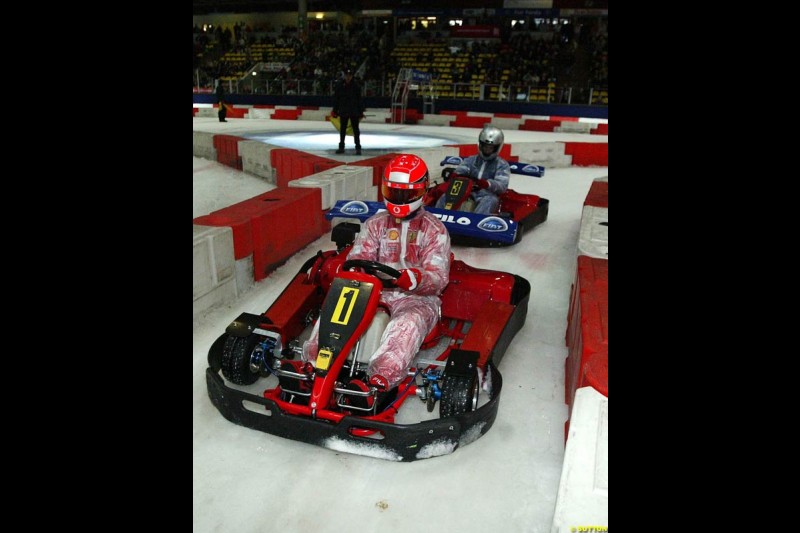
(348, 293)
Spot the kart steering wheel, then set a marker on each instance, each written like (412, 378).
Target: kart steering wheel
(370, 267)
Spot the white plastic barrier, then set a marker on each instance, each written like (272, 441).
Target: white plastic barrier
(547, 154)
(207, 112)
(203, 145)
(258, 112)
(593, 237)
(505, 123)
(314, 114)
(575, 127)
(583, 490)
(213, 268)
(256, 159)
(323, 185)
(436, 120)
(345, 182)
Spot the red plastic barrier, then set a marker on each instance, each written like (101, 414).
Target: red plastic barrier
(234, 112)
(412, 116)
(595, 373)
(227, 147)
(587, 154)
(289, 220)
(587, 325)
(471, 122)
(454, 113)
(286, 114)
(291, 164)
(533, 124)
(564, 119)
(264, 106)
(281, 160)
(508, 115)
(598, 194)
(601, 129)
(194, 111)
(325, 164)
(272, 226)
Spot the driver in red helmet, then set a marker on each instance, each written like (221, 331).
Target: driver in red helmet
(407, 238)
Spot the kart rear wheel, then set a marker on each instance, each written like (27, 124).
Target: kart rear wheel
(459, 395)
(236, 359)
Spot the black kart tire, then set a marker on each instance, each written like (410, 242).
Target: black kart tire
(459, 395)
(215, 353)
(520, 233)
(236, 359)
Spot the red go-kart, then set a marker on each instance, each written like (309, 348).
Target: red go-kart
(257, 376)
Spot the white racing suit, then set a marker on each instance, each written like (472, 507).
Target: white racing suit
(497, 172)
(421, 242)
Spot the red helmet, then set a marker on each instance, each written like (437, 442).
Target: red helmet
(405, 182)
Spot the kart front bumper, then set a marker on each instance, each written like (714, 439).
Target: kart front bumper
(400, 442)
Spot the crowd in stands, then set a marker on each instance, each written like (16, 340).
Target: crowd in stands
(521, 59)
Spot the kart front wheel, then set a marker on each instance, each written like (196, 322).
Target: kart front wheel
(459, 394)
(236, 359)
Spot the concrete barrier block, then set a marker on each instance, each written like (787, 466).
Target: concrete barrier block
(314, 114)
(213, 265)
(575, 127)
(259, 113)
(220, 295)
(507, 123)
(323, 185)
(203, 145)
(207, 112)
(357, 179)
(593, 237)
(244, 275)
(257, 160)
(547, 154)
(337, 182)
(583, 489)
(436, 120)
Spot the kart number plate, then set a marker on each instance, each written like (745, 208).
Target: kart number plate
(324, 359)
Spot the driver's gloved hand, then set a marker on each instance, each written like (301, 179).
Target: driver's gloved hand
(481, 184)
(409, 279)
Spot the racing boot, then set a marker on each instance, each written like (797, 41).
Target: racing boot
(341, 148)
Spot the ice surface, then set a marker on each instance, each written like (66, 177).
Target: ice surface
(248, 481)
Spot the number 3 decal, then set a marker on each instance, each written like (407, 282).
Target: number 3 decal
(344, 306)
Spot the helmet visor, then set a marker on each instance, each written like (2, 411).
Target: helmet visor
(487, 148)
(401, 196)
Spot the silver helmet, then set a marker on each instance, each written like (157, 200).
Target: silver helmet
(490, 141)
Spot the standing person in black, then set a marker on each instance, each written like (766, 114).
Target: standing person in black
(347, 105)
(221, 101)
